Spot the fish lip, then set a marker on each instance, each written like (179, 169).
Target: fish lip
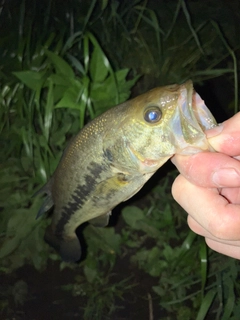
(201, 113)
(188, 86)
(186, 99)
(194, 118)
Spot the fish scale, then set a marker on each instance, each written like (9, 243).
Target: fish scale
(114, 155)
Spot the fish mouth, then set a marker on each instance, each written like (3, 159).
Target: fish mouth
(194, 118)
(202, 114)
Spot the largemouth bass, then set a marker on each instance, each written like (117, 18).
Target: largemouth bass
(114, 155)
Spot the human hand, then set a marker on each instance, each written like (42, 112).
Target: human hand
(208, 188)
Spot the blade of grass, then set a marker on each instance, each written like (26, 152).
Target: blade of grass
(235, 68)
(140, 15)
(86, 53)
(220, 293)
(229, 305)
(89, 13)
(189, 38)
(76, 63)
(204, 262)
(206, 304)
(153, 21)
(48, 110)
(188, 18)
(71, 41)
(176, 13)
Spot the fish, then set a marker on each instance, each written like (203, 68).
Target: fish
(115, 154)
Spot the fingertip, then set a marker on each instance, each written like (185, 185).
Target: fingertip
(214, 131)
(177, 187)
(225, 137)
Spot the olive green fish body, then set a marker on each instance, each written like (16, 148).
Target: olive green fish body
(114, 155)
(95, 180)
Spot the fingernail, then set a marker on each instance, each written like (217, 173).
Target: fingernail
(214, 131)
(226, 177)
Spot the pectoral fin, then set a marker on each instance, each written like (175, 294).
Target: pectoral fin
(48, 202)
(101, 221)
(47, 205)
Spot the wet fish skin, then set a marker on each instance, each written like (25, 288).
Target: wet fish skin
(114, 155)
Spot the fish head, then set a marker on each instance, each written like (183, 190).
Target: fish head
(162, 122)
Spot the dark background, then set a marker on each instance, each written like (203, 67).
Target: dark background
(131, 273)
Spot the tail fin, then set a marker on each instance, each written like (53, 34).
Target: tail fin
(69, 250)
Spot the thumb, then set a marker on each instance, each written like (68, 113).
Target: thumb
(225, 137)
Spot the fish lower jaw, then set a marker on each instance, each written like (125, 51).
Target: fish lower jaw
(151, 165)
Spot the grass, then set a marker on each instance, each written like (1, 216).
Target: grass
(63, 68)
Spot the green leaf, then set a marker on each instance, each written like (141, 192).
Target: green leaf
(111, 239)
(72, 97)
(76, 63)
(60, 65)
(32, 79)
(132, 215)
(20, 225)
(154, 261)
(60, 80)
(99, 66)
(90, 273)
(104, 238)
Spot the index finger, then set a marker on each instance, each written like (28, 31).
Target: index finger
(209, 169)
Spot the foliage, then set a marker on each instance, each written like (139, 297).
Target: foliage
(55, 98)
(95, 282)
(173, 43)
(64, 67)
(185, 269)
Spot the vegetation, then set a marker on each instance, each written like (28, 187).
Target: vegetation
(58, 70)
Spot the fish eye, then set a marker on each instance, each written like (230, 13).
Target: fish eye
(153, 115)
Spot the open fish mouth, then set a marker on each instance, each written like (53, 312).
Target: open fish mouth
(191, 120)
(202, 114)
